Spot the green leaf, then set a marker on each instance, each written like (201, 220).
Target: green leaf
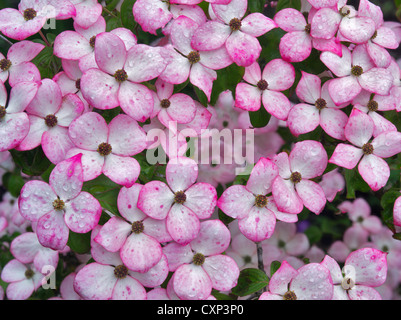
(224, 218)
(259, 118)
(47, 63)
(314, 234)
(105, 191)
(127, 17)
(312, 64)
(270, 45)
(250, 281)
(221, 296)
(397, 236)
(79, 242)
(13, 183)
(227, 79)
(274, 266)
(282, 4)
(32, 162)
(256, 5)
(387, 202)
(354, 182)
(201, 96)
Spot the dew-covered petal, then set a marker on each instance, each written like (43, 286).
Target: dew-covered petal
(374, 170)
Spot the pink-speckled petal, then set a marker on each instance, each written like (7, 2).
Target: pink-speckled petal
(88, 131)
(290, 20)
(226, 12)
(248, 97)
(128, 288)
(333, 122)
(71, 45)
(92, 162)
(397, 212)
(377, 80)
(370, 266)
(122, 170)
(303, 118)
(113, 234)
(280, 280)
(202, 77)
(136, 100)
(110, 52)
(140, 252)
(210, 36)
(223, 272)
(87, 13)
(182, 224)
(312, 195)
(127, 203)
(52, 231)
(346, 156)
(295, 46)
(325, 23)
(191, 282)
(100, 89)
(279, 74)
(201, 199)
(181, 173)
(360, 292)
(339, 65)
(321, 286)
(309, 158)
(343, 90)
(359, 128)
(387, 144)
(256, 24)
(258, 225)
(375, 171)
(95, 281)
(357, 29)
(82, 214)
(66, 179)
(13, 130)
(236, 201)
(276, 103)
(213, 238)
(262, 176)
(243, 48)
(36, 199)
(285, 196)
(309, 87)
(151, 14)
(155, 276)
(155, 199)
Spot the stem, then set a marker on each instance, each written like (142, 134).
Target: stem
(259, 250)
(44, 38)
(109, 12)
(6, 40)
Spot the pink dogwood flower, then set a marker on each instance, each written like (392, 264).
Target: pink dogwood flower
(364, 269)
(50, 115)
(14, 122)
(108, 148)
(22, 280)
(181, 201)
(154, 14)
(27, 249)
(397, 212)
(373, 169)
(332, 183)
(117, 82)
(383, 37)
(355, 71)
(200, 265)
(264, 87)
(198, 66)
(359, 212)
(135, 235)
(292, 189)
(310, 282)
(87, 12)
(296, 45)
(232, 30)
(170, 107)
(17, 66)
(60, 206)
(31, 16)
(316, 109)
(256, 212)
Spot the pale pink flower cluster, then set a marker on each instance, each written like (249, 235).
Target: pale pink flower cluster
(168, 240)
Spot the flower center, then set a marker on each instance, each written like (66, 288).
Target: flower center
(290, 295)
(308, 28)
(180, 197)
(121, 271)
(104, 149)
(193, 57)
(58, 204)
(198, 259)
(296, 177)
(51, 120)
(247, 259)
(347, 283)
(165, 103)
(29, 14)
(2, 112)
(92, 41)
(29, 274)
(235, 24)
(367, 148)
(374, 35)
(260, 201)
(5, 64)
(344, 11)
(320, 104)
(373, 105)
(137, 227)
(262, 84)
(78, 84)
(121, 75)
(357, 71)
